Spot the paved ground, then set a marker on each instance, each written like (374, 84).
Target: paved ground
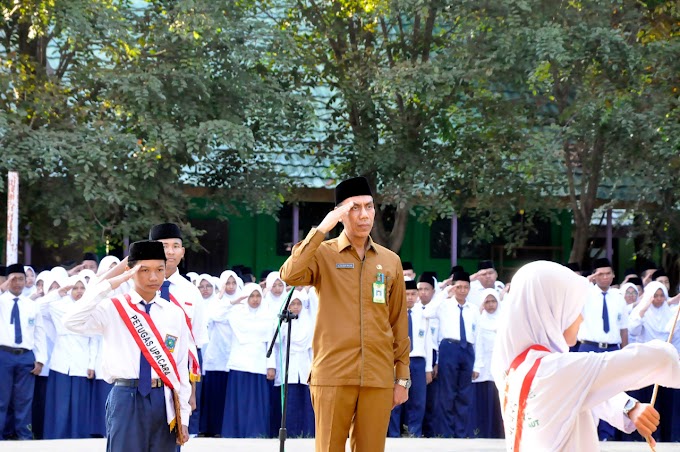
(306, 445)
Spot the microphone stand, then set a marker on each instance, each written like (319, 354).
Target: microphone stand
(284, 316)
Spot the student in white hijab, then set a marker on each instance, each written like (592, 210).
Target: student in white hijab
(106, 264)
(275, 294)
(40, 285)
(246, 412)
(648, 321)
(486, 414)
(67, 405)
(559, 408)
(216, 353)
(30, 288)
(300, 421)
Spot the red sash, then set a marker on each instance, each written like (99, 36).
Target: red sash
(524, 391)
(194, 366)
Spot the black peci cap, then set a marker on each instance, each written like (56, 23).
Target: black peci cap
(356, 186)
(460, 276)
(165, 231)
(411, 284)
(601, 263)
(428, 277)
(145, 250)
(15, 268)
(483, 265)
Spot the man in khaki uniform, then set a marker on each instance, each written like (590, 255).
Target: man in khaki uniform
(361, 347)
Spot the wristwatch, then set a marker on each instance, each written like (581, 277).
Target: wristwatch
(628, 407)
(404, 382)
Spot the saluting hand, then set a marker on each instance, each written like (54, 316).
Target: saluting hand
(333, 217)
(64, 290)
(116, 281)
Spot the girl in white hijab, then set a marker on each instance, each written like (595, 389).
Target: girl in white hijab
(552, 400)
(217, 351)
(246, 412)
(67, 405)
(274, 293)
(40, 285)
(106, 264)
(486, 416)
(29, 288)
(648, 321)
(301, 420)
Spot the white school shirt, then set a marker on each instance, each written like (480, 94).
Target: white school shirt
(486, 337)
(642, 331)
(216, 352)
(32, 331)
(446, 310)
(433, 326)
(96, 314)
(573, 391)
(300, 364)
(251, 333)
(48, 326)
(592, 326)
(422, 340)
(73, 354)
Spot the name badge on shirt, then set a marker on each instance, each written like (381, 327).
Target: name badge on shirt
(349, 265)
(379, 289)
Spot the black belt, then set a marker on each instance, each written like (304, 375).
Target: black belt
(601, 345)
(155, 383)
(14, 351)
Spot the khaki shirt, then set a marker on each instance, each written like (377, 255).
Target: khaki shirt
(356, 341)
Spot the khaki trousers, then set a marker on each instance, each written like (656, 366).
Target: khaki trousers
(360, 412)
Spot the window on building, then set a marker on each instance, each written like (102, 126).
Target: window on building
(311, 214)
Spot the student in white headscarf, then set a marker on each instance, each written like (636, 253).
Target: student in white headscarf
(216, 353)
(40, 285)
(274, 293)
(559, 406)
(246, 412)
(648, 321)
(30, 288)
(300, 420)
(67, 405)
(106, 264)
(486, 414)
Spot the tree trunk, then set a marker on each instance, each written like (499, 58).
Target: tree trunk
(395, 238)
(581, 236)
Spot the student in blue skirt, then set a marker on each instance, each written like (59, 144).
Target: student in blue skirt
(486, 419)
(67, 405)
(246, 411)
(300, 415)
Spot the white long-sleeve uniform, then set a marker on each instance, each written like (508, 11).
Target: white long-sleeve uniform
(572, 391)
(96, 314)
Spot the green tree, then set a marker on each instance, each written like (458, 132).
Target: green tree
(576, 73)
(109, 109)
(382, 73)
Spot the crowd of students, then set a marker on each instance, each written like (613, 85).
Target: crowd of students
(452, 327)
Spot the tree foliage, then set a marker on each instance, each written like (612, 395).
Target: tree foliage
(108, 108)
